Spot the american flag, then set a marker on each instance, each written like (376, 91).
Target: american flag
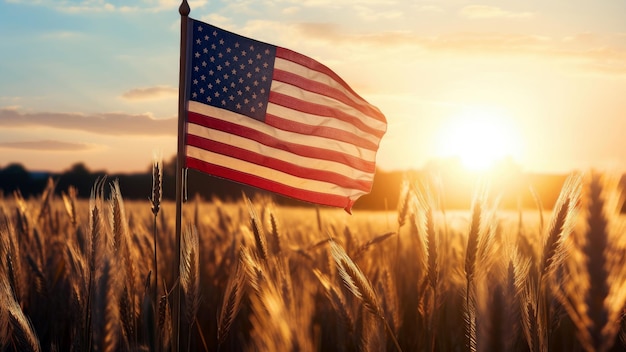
(275, 119)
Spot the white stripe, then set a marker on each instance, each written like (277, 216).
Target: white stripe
(310, 97)
(271, 174)
(305, 140)
(305, 72)
(315, 120)
(255, 147)
(313, 75)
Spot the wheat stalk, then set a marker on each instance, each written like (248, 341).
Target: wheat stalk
(358, 284)
(189, 273)
(231, 303)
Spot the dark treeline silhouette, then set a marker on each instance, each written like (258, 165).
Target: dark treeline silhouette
(454, 186)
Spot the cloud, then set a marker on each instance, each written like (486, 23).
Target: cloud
(112, 6)
(156, 92)
(483, 11)
(62, 35)
(114, 124)
(47, 145)
(590, 53)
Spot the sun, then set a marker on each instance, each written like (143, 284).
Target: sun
(479, 137)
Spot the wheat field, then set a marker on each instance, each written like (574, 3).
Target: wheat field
(83, 275)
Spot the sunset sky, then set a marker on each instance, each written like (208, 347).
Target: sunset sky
(543, 82)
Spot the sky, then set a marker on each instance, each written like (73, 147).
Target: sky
(541, 83)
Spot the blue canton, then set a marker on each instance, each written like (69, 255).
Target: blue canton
(229, 71)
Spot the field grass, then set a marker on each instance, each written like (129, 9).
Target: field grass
(78, 275)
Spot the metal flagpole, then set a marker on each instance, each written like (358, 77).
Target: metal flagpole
(180, 160)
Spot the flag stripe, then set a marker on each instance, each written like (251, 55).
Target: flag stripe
(261, 158)
(312, 120)
(311, 64)
(303, 118)
(308, 146)
(272, 186)
(318, 130)
(255, 172)
(295, 98)
(315, 82)
(243, 143)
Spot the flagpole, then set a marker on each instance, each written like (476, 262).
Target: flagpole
(180, 160)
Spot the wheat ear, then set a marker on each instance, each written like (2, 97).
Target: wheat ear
(357, 283)
(189, 273)
(231, 303)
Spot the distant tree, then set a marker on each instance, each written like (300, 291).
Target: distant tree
(80, 177)
(14, 177)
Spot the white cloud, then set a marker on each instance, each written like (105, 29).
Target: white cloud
(115, 124)
(156, 92)
(47, 145)
(483, 12)
(100, 6)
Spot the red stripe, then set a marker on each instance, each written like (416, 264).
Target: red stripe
(277, 164)
(321, 110)
(313, 65)
(298, 149)
(322, 131)
(273, 186)
(329, 91)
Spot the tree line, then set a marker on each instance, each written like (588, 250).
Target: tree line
(513, 187)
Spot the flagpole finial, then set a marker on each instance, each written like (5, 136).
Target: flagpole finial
(184, 8)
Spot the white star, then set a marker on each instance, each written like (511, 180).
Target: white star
(199, 28)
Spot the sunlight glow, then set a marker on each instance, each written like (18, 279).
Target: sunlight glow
(479, 137)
